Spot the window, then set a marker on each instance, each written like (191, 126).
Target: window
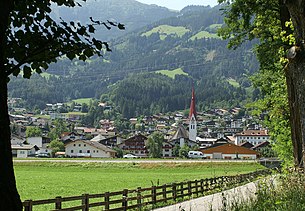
(84, 145)
(79, 145)
(72, 151)
(93, 151)
(96, 151)
(80, 151)
(88, 151)
(74, 144)
(166, 150)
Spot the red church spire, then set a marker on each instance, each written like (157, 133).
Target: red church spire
(193, 104)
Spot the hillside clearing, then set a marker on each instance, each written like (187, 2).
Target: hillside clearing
(167, 30)
(172, 73)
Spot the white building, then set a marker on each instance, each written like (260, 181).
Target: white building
(24, 151)
(252, 136)
(84, 148)
(192, 119)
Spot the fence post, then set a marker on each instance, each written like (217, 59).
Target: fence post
(196, 187)
(107, 198)
(153, 195)
(139, 198)
(85, 201)
(181, 189)
(28, 205)
(164, 193)
(174, 191)
(58, 203)
(189, 188)
(124, 200)
(201, 186)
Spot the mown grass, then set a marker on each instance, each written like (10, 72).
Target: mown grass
(204, 34)
(41, 180)
(167, 30)
(82, 100)
(172, 73)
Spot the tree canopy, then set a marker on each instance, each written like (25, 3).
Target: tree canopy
(279, 26)
(30, 39)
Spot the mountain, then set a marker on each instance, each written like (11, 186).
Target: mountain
(131, 13)
(153, 68)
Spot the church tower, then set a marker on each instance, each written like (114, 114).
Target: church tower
(192, 118)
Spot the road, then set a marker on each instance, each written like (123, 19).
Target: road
(129, 160)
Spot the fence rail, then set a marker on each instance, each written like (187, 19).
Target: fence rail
(138, 198)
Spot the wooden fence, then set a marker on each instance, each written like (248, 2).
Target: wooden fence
(139, 198)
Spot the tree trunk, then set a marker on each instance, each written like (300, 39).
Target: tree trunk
(9, 197)
(295, 77)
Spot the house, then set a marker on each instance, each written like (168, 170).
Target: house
(229, 151)
(181, 137)
(24, 150)
(252, 136)
(85, 148)
(41, 142)
(70, 135)
(167, 149)
(110, 142)
(135, 145)
(17, 140)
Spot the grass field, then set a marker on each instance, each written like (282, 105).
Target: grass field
(172, 73)
(38, 180)
(82, 100)
(166, 30)
(204, 34)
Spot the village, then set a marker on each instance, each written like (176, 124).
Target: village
(215, 134)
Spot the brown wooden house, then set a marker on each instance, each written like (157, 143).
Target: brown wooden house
(135, 145)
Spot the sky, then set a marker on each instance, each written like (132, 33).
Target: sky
(179, 4)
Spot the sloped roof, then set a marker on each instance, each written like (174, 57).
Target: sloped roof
(229, 149)
(253, 133)
(98, 138)
(246, 144)
(193, 105)
(180, 133)
(261, 145)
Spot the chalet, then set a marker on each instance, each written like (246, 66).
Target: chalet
(181, 137)
(167, 149)
(110, 142)
(17, 140)
(135, 145)
(41, 142)
(252, 136)
(70, 135)
(24, 150)
(85, 148)
(229, 151)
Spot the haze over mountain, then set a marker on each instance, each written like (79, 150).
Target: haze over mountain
(131, 13)
(152, 69)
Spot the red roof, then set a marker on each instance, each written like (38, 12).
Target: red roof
(193, 105)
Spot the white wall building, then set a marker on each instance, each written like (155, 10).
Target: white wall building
(84, 148)
(252, 136)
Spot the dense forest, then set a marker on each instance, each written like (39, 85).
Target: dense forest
(186, 41)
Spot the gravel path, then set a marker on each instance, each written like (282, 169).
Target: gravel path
(215, 201)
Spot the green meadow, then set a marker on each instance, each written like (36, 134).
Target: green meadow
(43, 180)
(166, 30)
(172, 73)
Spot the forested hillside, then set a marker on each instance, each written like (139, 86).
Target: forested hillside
(186, 42)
